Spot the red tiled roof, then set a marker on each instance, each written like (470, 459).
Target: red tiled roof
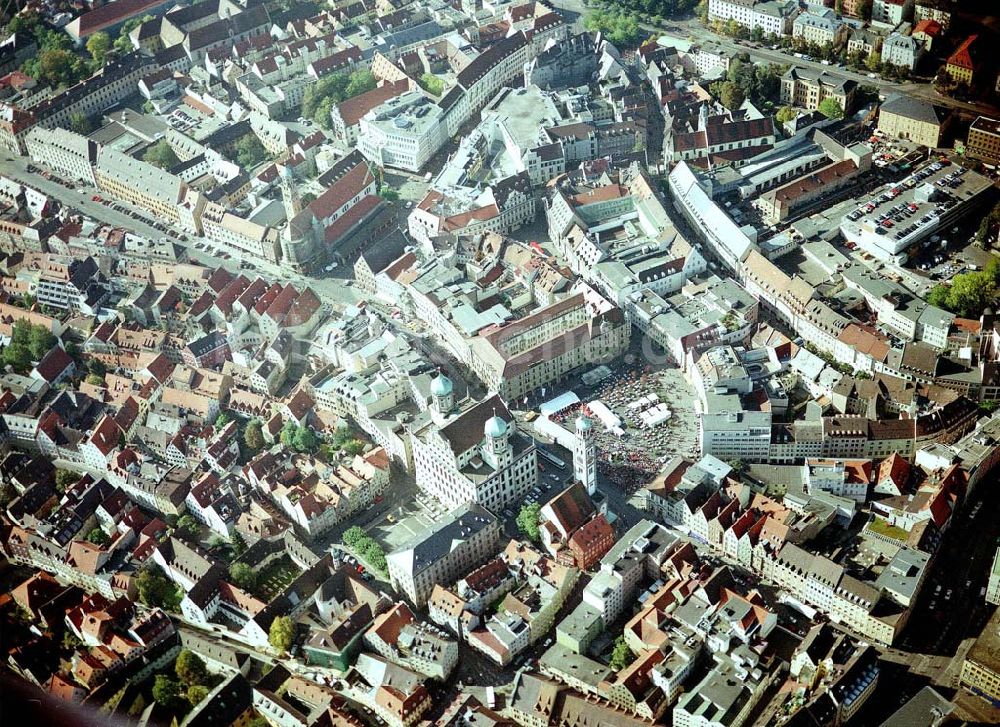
(962, 57)
(111, 14)
(353, 216)
(53, 364)
(928, 27)
(106, 435)
(354, 108)
(342, 191)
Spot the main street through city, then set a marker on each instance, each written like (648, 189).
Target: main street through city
(691, 29)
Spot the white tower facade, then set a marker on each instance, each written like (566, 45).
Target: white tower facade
(585, 455)
(498, 448)
(442, 394)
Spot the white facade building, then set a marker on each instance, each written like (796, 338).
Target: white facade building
(404, 132)
(468, 537)
(478, 456)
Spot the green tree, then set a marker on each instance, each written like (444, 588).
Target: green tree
(872, 61)
(28, 22)
(161, 155)
(376, 557)
(287, 435)
(80, 124)
(619, 26)
(98, 537)
(305, 439)
(360, 81)
(731, 95)
(249, 151)
(969, 294)
(57, 67)
(389, 195)
(939, 296)
(253, 436)
(786, 114)
(7, 494)
(95, 380)
(243, 576)
(864, 9)
(190, 668)
(282, 633)
(354, 447)
(988, 229)
(432, 84)
(188, 525)
(166, 691)
(196, 693)
(222, 419)
(703, 11)
(70, 642)
(831, 108)
(621, 655)
(372, 552)
(40, 341)
(123, 44)
(352, 536)
(322, 114)
(992, 272)
(527, 520)
(18, 357)
(98, 46)
(156, 591)
(66, 479)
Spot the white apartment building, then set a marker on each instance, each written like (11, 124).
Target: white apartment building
(404, 132)
(543, 347)
(239, 234)
(477, 456)
(772, 16)
(891, 12)
(739, 10)
(636, 555)
(901, 50)
(820, 28)
(70, 155)
(775, 16)
(480, 81)
(466, 539)
(733, 435)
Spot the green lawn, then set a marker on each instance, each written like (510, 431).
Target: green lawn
(276, 576)
(881, 527)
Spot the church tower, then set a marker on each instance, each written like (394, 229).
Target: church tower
(289, 194)
(585, 454)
